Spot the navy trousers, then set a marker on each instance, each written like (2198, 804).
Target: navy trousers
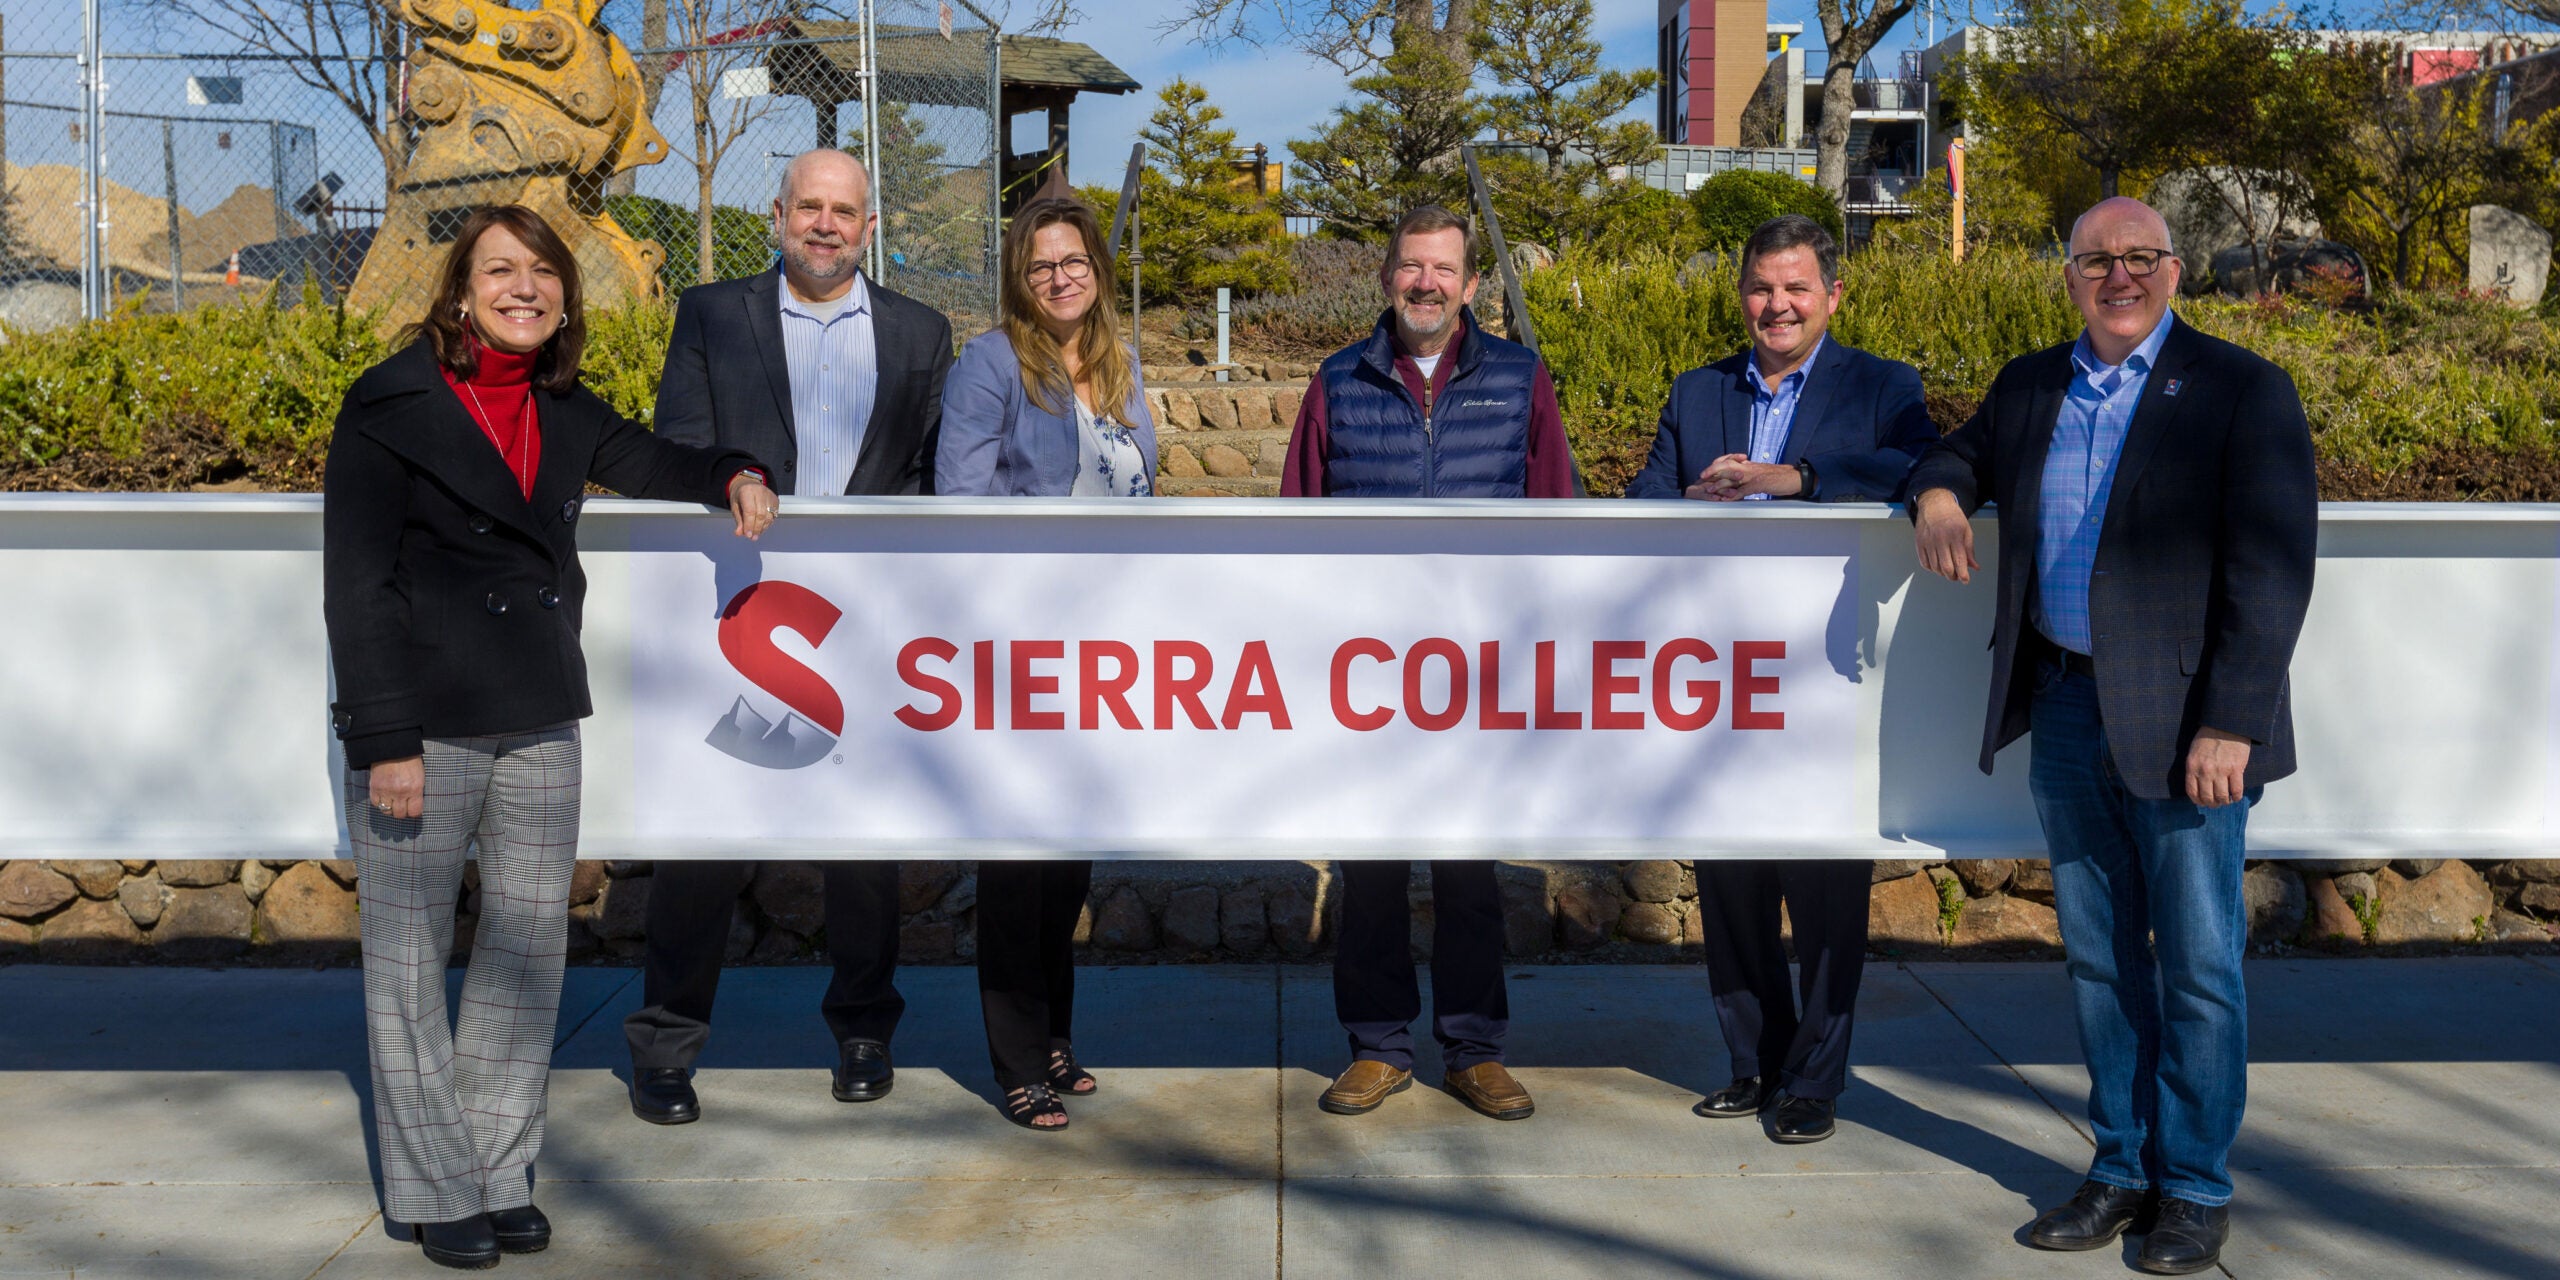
(1375, 990)
(1765, 1028)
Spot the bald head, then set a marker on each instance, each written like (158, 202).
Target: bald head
(822, 218)
(2120, 213)
(825, 166)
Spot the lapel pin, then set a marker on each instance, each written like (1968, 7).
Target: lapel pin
(2172, 388)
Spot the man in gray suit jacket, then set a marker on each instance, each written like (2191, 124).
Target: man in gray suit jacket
(836, 383)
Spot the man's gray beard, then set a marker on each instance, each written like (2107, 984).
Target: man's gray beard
(797, 256)
(1448, 317)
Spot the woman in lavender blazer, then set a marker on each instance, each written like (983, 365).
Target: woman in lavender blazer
(1048, 404)
(1009, 414)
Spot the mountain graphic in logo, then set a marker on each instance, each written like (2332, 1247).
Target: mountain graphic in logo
(747, 735)
(811, 714)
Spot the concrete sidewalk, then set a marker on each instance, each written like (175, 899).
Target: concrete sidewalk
(186, 1123)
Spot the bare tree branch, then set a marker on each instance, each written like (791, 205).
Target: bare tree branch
(713, 131)
(1352, 35)
(347, 49)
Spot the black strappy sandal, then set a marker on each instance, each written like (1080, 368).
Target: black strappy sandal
(1026, 1105)
(1068, 1078)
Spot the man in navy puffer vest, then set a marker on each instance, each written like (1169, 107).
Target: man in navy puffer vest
(1428, 407)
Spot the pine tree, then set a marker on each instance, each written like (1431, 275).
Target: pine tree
(1395, 150)
(1553, 97)
(911, 190)
(1557, 99)
(1201, 227)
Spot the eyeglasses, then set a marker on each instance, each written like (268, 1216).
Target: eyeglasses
(1078, 267)
(2137, 262)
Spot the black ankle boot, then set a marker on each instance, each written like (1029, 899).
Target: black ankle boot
(468, 1245)
(521, 1230)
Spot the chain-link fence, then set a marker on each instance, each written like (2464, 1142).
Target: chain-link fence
(230, 156)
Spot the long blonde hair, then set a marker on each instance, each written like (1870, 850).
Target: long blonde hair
(1098, 351)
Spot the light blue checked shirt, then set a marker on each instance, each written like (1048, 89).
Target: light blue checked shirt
(835, 371)
(2088, 437)
(1773, 413)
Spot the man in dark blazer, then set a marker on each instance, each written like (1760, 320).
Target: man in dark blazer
(839, 382)
(2158, 523)
(1797, 415)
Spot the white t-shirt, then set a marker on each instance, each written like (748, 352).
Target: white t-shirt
(1428, 365)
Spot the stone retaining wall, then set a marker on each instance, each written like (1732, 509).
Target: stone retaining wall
(209, 912)
(1223, 439)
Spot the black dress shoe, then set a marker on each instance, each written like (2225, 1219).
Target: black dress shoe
(664, 1095)
(863, 1073)
(1799, 1120)
(1746, 1096)
(522, 1229)
(468, 1245)
(2094, 1216)
(2188, 1237)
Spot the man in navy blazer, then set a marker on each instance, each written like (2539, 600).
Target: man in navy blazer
(2159, 523)
(1796, 416)
(1853, 423)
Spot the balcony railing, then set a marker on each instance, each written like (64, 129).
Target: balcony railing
(1888, 95)
(1880, 190)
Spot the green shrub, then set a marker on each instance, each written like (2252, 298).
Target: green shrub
(741, 239)
(254, 386)
(1632, 219)
(626, 348)
(1731, 205)
(2393, 391)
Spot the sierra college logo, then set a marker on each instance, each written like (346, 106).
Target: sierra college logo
(812, 714)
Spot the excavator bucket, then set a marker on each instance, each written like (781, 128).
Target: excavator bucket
(537, 107)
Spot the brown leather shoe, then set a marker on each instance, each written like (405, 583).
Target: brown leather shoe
(1490, 1089)
(1362, 1086)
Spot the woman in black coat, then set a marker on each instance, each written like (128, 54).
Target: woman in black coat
(452, 595)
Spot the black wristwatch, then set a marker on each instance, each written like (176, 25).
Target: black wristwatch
(1804, 480)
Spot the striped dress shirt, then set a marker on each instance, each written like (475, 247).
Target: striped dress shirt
(2088, 437)
(835, 375)
(1773, 412)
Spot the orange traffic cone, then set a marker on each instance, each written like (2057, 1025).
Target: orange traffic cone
(231, 274)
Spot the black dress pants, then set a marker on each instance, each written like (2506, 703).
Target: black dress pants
(690, 909)
(1375, 991)
(1826, 902)
(1027, 962)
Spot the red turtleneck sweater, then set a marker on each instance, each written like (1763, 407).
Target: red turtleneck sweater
(500, 398)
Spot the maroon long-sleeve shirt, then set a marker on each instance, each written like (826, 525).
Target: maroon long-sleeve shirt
(1550, 475)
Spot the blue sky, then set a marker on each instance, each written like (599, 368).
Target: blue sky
(1274, 94)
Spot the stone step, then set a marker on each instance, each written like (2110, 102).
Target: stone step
(1217, 487)
(1231, 406)
(1253, 370)
(1221, 455)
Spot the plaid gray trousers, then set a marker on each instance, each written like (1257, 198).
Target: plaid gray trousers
(458, 1108)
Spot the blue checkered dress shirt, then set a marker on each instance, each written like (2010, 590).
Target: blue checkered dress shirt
(1773, 413)
(2088, 437)
(835, 373)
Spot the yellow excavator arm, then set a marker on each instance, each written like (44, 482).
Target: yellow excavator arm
(537, 107)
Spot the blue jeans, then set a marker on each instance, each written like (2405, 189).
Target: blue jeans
(2154, 926)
